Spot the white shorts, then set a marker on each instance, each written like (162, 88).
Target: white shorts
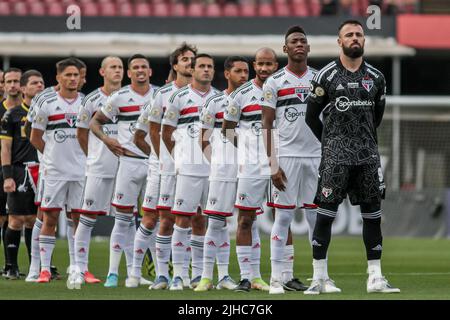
(97, 195)
(251, 193)
(152, 189)
(221, 198)
(130, 181)
(166, 192)
(60, 193)
(190, 194)
(301, 188)
(40, 190)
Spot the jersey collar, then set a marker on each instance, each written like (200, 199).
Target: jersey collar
(296, 75)
(25, 106)
(199, 93)
(341, 66)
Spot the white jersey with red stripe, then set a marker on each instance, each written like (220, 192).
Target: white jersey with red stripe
(288, 94)
(245, 109)
(63, 157)
(126, 105)
(224, 154)
(183, 113)
(100, 162)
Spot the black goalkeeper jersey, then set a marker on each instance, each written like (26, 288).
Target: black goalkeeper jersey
(352, 106)
(13, 127)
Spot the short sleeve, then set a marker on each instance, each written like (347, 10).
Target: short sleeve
(208, 116)
(85, 114)
(110, 109)
(157, 109)
(41, 119)
(233, 110)
(270, 94)
(318, 90)
(172, 113)
(7, 127)
(142, 122)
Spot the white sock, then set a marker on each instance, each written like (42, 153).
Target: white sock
(180, 244)
(288, 264)
(374, 268)
(311, 217)
(141, 243)
(187, 257)
(82, 241)
(70, 239)
(35, 255)
(46, 244)
(256, 251)
(320, 269)
(223, 254)
(211, 245)
(163, 249)
(129, 245)
(197, 255)
(278, 238)
(244, 255)
(152, 248)
(119, 235)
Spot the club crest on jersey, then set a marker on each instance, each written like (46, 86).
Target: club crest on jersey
(302, 93)
(367, 83)
(71, 119)
(327, 192)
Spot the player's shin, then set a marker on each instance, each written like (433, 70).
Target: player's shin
(256, 252)
(211, 245)
(223, 253)
(118, 240)
(321, 241)
(82, 242)
(279, 234)
(35, 255)
(180, 244)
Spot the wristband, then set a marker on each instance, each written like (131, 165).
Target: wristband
(7, 171)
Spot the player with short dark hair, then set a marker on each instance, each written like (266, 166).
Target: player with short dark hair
(17, 155)
(349, 93)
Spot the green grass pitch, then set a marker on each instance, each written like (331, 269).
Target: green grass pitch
(419, 267)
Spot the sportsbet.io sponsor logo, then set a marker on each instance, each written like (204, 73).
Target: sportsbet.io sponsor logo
(61, 136)
(343, 103)
(291, 114)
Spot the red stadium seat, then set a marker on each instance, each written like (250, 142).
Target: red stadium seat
(300, 9)
(160, 10)
(195, 10)
(178, 10)
(314, 7)
(55, 9)
(107, 9)
(37, 9)
(282, 10)
(5, 9)
(213, 10)
(248, 10)
(280, 1)
(265, 10)
(142, 9)
(125, 9)
(20, 9)
(230, 10)
(89, 9)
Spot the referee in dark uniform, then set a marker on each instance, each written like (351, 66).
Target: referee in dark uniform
(16, 152)
(350, 95)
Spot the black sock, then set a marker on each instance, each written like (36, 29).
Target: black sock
(373, 240)
(12, 240)
(5, 250)
(321, 236)
(28, 232)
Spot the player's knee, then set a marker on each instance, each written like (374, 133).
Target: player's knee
(283, 217)
(245, 222)
(15, 222)
(370, 207)
(215, 225)
(149, 221)
(166, 227)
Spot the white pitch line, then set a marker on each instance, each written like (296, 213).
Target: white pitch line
(394, 274)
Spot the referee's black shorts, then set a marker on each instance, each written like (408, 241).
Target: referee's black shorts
(21, 202)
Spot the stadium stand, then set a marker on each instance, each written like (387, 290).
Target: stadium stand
(213, 8)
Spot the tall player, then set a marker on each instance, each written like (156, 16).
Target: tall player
(125, 105)
(253, 174)
(180, 61)
(64, 159)
(101, 166)
(191, 191)
(295, 167)
(221, 154)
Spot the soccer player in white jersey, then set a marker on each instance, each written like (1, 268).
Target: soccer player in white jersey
(191, 166)
(295, 167)
(221, 154)
(101, 167)
(126, 105)
(180, 61)
(64, 159)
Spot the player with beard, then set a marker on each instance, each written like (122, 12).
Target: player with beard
(350, 95)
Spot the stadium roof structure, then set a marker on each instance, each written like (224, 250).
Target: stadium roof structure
(95, 44)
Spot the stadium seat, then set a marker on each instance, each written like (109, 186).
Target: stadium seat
(125, 9)
(213, 10)
(248, 10)
(282, 10)
(160, 10)
(178, 10)
(89, 9)
(142, 9)
(107, 9)
(230, 10)
(5, 9)
(20, 9)
(314, 8)
(37, 9)
(55, 9)
(265, 10)
(300, 9)
(195, 9)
